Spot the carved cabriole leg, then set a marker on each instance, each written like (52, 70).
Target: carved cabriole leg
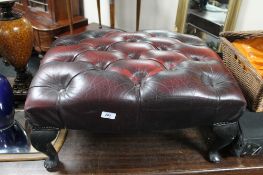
(225, 133)
(41, 139)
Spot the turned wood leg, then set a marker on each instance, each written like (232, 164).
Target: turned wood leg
(138, 13)
(112, 14)
(225, 133)
(99, 13)
(41, 140)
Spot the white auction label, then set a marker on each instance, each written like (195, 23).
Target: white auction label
(109, 115)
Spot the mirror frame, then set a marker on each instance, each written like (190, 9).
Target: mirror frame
(231, 17)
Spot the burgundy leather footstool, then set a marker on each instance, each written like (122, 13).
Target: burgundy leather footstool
(114, 81)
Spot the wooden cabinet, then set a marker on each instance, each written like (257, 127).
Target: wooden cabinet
(49, 18)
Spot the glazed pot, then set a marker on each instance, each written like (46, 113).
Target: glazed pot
(6, 103)
(16, 36)
(13, 138)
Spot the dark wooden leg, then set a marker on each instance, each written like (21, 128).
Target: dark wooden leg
(225, 133)
(112, 14)
(41, 140)
(99, 13)
(138, 13)
(70, 17)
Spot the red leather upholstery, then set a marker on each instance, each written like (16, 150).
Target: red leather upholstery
(150, 79)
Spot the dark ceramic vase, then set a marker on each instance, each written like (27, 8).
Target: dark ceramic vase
(6, 103)
(13, 138)
(16, 41)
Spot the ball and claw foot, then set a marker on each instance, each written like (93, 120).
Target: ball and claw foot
(41, 139)
(214, 157)
(51, 164)
(225, 133)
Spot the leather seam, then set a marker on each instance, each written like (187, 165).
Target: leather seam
(81, 52)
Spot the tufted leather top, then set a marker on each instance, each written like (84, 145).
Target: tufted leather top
(149, 79)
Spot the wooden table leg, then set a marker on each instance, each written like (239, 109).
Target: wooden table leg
(70, 17)
(99, 13)
(138, 12)
(112, 13)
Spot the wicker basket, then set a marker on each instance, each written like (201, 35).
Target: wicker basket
(250, 81)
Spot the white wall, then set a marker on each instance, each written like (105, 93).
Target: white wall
(161, 14)
(155, 14)
(90, 11)
(250, 16)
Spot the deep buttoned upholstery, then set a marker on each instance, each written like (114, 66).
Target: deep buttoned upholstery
(149, 79)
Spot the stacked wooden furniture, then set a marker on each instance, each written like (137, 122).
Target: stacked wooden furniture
(49, 18)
